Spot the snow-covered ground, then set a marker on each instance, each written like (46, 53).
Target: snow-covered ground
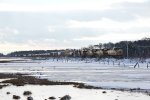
(44, 92)
(108, 73)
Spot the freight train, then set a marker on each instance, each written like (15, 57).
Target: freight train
(115, 52)
(86, 52)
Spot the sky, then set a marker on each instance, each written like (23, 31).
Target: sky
(61, 24)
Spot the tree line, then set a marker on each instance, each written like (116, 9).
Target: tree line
(131, 49)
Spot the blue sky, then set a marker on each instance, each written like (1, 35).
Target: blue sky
(57, 24)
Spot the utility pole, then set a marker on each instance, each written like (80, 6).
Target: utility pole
(127, 50)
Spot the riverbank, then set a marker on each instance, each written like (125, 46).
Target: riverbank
(24, 79)
(43, 89)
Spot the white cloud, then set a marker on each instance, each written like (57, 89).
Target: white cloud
(46, 44)
(49, 8)
(51, 29)
(50, 40)
(108, 24)
(8, 30)
(113, 37)
(89, 5)
(87, 21)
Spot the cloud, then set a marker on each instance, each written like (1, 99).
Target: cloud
(54, 24)
(8, 30)
(42, 44)
(134, 8)
(51, 29)
(113, 37)
(112, 25)
(51, 8)
(58, 6)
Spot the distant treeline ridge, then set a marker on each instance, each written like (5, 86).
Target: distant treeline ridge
(131, 49)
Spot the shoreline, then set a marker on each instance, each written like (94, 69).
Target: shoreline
(19, 79)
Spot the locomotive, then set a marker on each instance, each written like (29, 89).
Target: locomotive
(114, 52)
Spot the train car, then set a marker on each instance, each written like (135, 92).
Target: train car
(115, 52)
(98, 53)
(89, 53)
(68, 53)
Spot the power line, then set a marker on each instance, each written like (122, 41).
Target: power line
(144, 46)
